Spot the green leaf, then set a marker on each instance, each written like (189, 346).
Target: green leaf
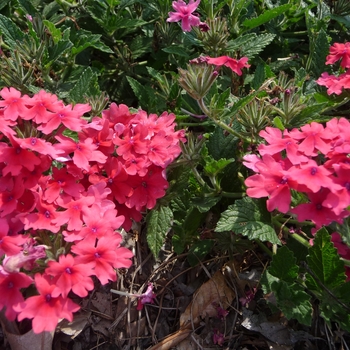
(55, 32)
(278, 123)
(86, 86)
(249, 218)
(83, 39)
(250, 44)
(159, 222)
(203, 204)
(12, 34)
(259, 76)
(212, 167)
(176, 50)
(59, 49)
(319, 53)
(325, 263)
(265, 16)
(144, 94)
(27, 6)
(293, 301)
(220, 145)
(283, 265)
(199, 250)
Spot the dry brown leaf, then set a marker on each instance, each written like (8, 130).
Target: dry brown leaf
(75, 327)
(172, 340)
(213, 292)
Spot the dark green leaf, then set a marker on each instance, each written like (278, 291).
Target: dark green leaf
(283, 265)
(265, 16)
(58, 50)
(203, 204)
(176, 50)
(159, 222)
(12, 34)
(293, 301)
(325, 263)
(86, 86)
(83, 39)
(259, 76)
(199, 250)
(249, 218)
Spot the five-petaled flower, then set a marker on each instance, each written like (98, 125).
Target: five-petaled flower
(184, 13)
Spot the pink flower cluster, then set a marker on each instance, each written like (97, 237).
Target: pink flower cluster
(313, 160)
(74, 192)
(336, 84)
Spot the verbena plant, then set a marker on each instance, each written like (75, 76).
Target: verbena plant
(266, 146)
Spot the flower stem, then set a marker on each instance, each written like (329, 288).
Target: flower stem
(222, 125)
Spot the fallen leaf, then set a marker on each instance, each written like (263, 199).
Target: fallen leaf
(211, 293)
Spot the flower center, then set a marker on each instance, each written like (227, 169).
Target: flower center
(10, 285)
(97, 255)
(313, 171)
(68, 270)
(284, 180)
(48, 298)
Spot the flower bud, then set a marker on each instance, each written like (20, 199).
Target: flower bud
(197, 80)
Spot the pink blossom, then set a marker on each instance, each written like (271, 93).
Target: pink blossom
(13, 103)
(334, 84)
(316, 211)
(313, 138)
(26, 258)
(233, 64)
(41, 107)
(74, 213)
(339, 51)
(44, 309)
(10, 285)
(145, 298)
(69, 116)
(106, 255)
(184, 13)
(279, 142)
(70, 276)
(147, 189)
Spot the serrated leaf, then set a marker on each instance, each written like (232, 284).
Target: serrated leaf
(176, 50)
(159, 222)
(220, 145)
(27, 6)
(259, 76)
(250, 44)
(283, 265)
(140, 45)
(12, 34)
(293, 301)
(248, 218)
(144, 94)
(319, 53)
(56, 51)
(265, 16)
(86, 86)
(325, 263)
